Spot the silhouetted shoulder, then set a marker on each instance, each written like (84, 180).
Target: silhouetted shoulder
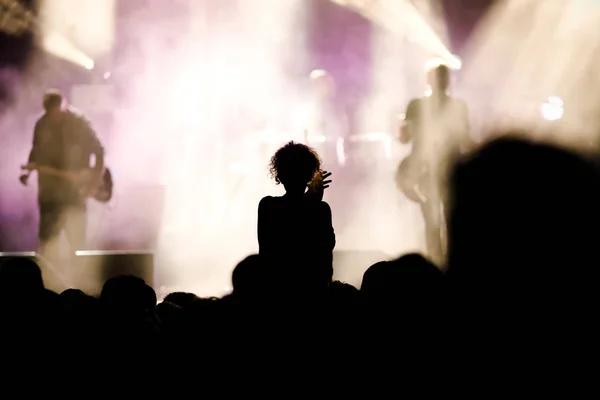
(78, 117)
(41, 117)
(75, 112)
(265, 202)
(40, 122)
(412, 110)
(324, 207)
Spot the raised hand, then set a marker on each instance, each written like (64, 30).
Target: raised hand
(324, 181)
(317, 188)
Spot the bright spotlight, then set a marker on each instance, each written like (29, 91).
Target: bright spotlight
(318, 73)
(59, 46)
(454, 63)
(552, 109)
(89, 23)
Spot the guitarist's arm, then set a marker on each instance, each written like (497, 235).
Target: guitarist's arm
(33, 155)
(409, 118)
(33, 159)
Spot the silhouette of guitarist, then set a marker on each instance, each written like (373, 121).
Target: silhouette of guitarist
(438, 127)
(63, 140)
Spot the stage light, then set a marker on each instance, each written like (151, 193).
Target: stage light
(318, 73)
(59, 46)
(451, 61)
(454, 63)
(106, 75)
(89, 23)
(552, 110)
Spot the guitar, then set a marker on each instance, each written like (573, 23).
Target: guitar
(100, 190)
(411, 176)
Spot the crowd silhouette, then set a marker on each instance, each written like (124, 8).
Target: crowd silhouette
(520, 274)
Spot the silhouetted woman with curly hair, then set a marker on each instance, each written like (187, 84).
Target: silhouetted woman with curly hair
(295, 231)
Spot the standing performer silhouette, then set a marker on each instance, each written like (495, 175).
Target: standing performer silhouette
(438, 127)
(63, 145)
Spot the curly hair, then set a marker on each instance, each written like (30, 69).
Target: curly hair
(294, 163)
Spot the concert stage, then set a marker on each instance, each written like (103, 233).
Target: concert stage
(183, 122)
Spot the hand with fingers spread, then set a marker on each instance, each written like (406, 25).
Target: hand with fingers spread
(317, 187)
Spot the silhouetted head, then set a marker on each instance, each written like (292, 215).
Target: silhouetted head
(410, 275)
(523, 211)
(74, 296)
(181, 299)
(438, 78)
(168, 310)
(248, 276)
(128, 295)
(343, 294)
(74, 300)
(20, 275)
(294, 166)
(53, 102)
